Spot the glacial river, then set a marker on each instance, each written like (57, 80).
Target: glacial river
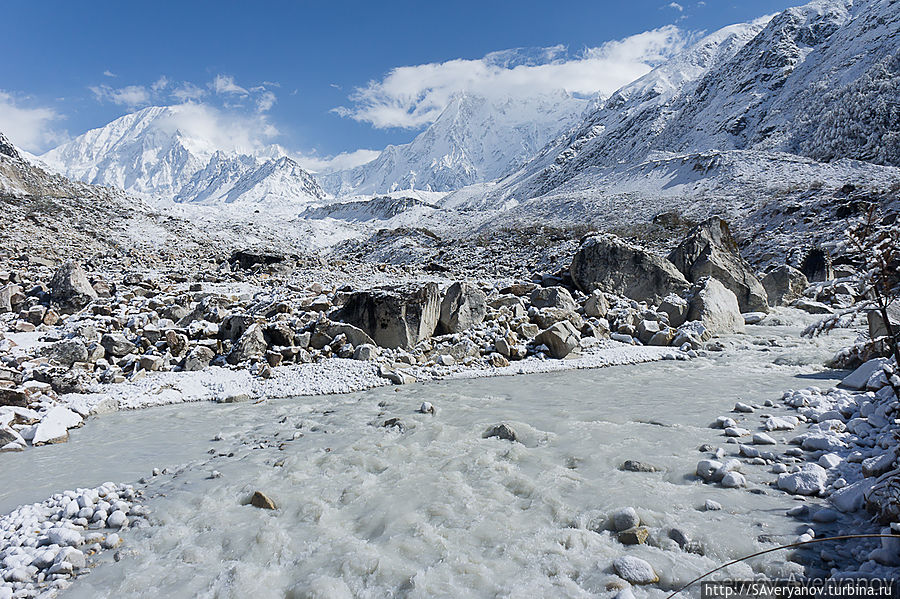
(431, 507)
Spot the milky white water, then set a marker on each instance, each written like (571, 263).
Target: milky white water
(438, 510)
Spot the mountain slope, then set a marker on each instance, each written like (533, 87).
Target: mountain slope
(819, 80)
(474, 139)
(148, 154)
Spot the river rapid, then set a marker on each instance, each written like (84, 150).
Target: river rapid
(428, 506)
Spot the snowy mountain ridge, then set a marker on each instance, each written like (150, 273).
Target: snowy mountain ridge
(475, 139)
(147, 154)
(818, 81)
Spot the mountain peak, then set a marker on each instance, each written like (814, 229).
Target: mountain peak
(475, 138)
(153, 153)
(8, 149)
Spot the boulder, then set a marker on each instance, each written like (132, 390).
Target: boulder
(553, 297)
(68, 352)
(394, 316)
(117, 345)
(198, 358)
(715, 307)
(252, 344)
(13, 397)
(233, 326)
(561, 339)
(709, 250)
(784, 285)
(70, 287)
(53, 427)
(365, 352)
(810, 480)
(501, 431)
(596, 305)
(634, 536)
(857, 379)
(7, 293)
(610, 264)
(463, 307)
(676, 307)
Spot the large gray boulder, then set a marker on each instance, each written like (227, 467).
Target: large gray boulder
(68, 352)
(463, 307)
(716, 307)
(198, 358)
(709, 250)
(252, 344)
(117, 345)
(394, 316)
(784, 284)
(553, 297)
(610, 264)
(561, 339)
(70, 287)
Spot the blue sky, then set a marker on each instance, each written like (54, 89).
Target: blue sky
(320, 78)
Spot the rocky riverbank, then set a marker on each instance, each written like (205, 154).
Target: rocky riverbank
(81, 338)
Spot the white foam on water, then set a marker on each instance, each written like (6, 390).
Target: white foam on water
(437, 510)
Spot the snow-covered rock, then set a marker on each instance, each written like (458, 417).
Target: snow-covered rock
(54, 426)
(810, 480)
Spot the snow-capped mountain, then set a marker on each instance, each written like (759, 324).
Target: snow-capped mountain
(474, 139)
(148, 154)
(821, 81)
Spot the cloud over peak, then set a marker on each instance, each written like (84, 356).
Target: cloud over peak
(414, 96)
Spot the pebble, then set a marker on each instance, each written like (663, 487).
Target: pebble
(262, 501)
(734, 480)
(712, 506)
(829, 460)
(625, 518)
(736, 431)
(825, 516)
(707, 468)
(763, 439)
(635, 570)
(744, 408)
(49, 541)
(117, 519)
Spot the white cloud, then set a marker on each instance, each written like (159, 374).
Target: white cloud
(265, 101)
(188, 91)
(161, 83)
(675, 6)
(224, 84)
(109, 73)
(133, 96)
(414, 96)
(226, 130)
(340, 161)
(31, 128)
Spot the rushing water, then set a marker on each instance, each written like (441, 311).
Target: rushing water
(436, 509)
